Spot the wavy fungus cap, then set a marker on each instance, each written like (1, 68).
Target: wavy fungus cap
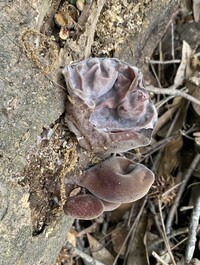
(117, 180)
(108, 106)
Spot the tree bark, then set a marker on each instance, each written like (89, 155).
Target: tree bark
(30, 101)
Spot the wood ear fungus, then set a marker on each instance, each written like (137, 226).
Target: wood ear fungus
(108, 107)
(117, 180)
(85, 207)
(109, 111)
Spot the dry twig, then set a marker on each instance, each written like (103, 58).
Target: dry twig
(172, 91)
(193, 230)
(163, 62)
(165, 118)
(180, 192)
(75, 251)
(158, 258)
(174, 233)
(132, 230)
(164, 235)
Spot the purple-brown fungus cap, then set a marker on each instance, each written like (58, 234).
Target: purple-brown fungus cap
(85, 206)
(117, 180)
(108, 109)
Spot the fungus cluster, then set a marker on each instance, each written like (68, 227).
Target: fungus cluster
(110, 112)
(112, 182)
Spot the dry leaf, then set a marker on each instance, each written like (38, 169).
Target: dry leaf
(71, 237)
(150, 240)
(171, 156)
(184, 71)
(165, 120)
(99, 252)
(137, 252)
(118, 236)
(196, 10)
(195, 262)
(194, 90)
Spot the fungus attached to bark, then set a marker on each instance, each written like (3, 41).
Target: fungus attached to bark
(84, 206)
(109, 111)
(108, 106)
(117, 180)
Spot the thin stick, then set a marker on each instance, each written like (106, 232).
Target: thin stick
(172, 91)
(165, 100)
(155, 74)
(186, 208)
(148, 150)
(192, 237)
(152, 150)
(83, 255)
(158, 258)
(179, 243)
(164, 119)
(162, 102)
(177, 232)
(166, 241)
(164, 62)
(155, 217)
(180, 192)
(170, 190)
(172, 38)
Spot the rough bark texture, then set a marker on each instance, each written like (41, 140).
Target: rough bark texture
(154, 19)
(30, 102)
